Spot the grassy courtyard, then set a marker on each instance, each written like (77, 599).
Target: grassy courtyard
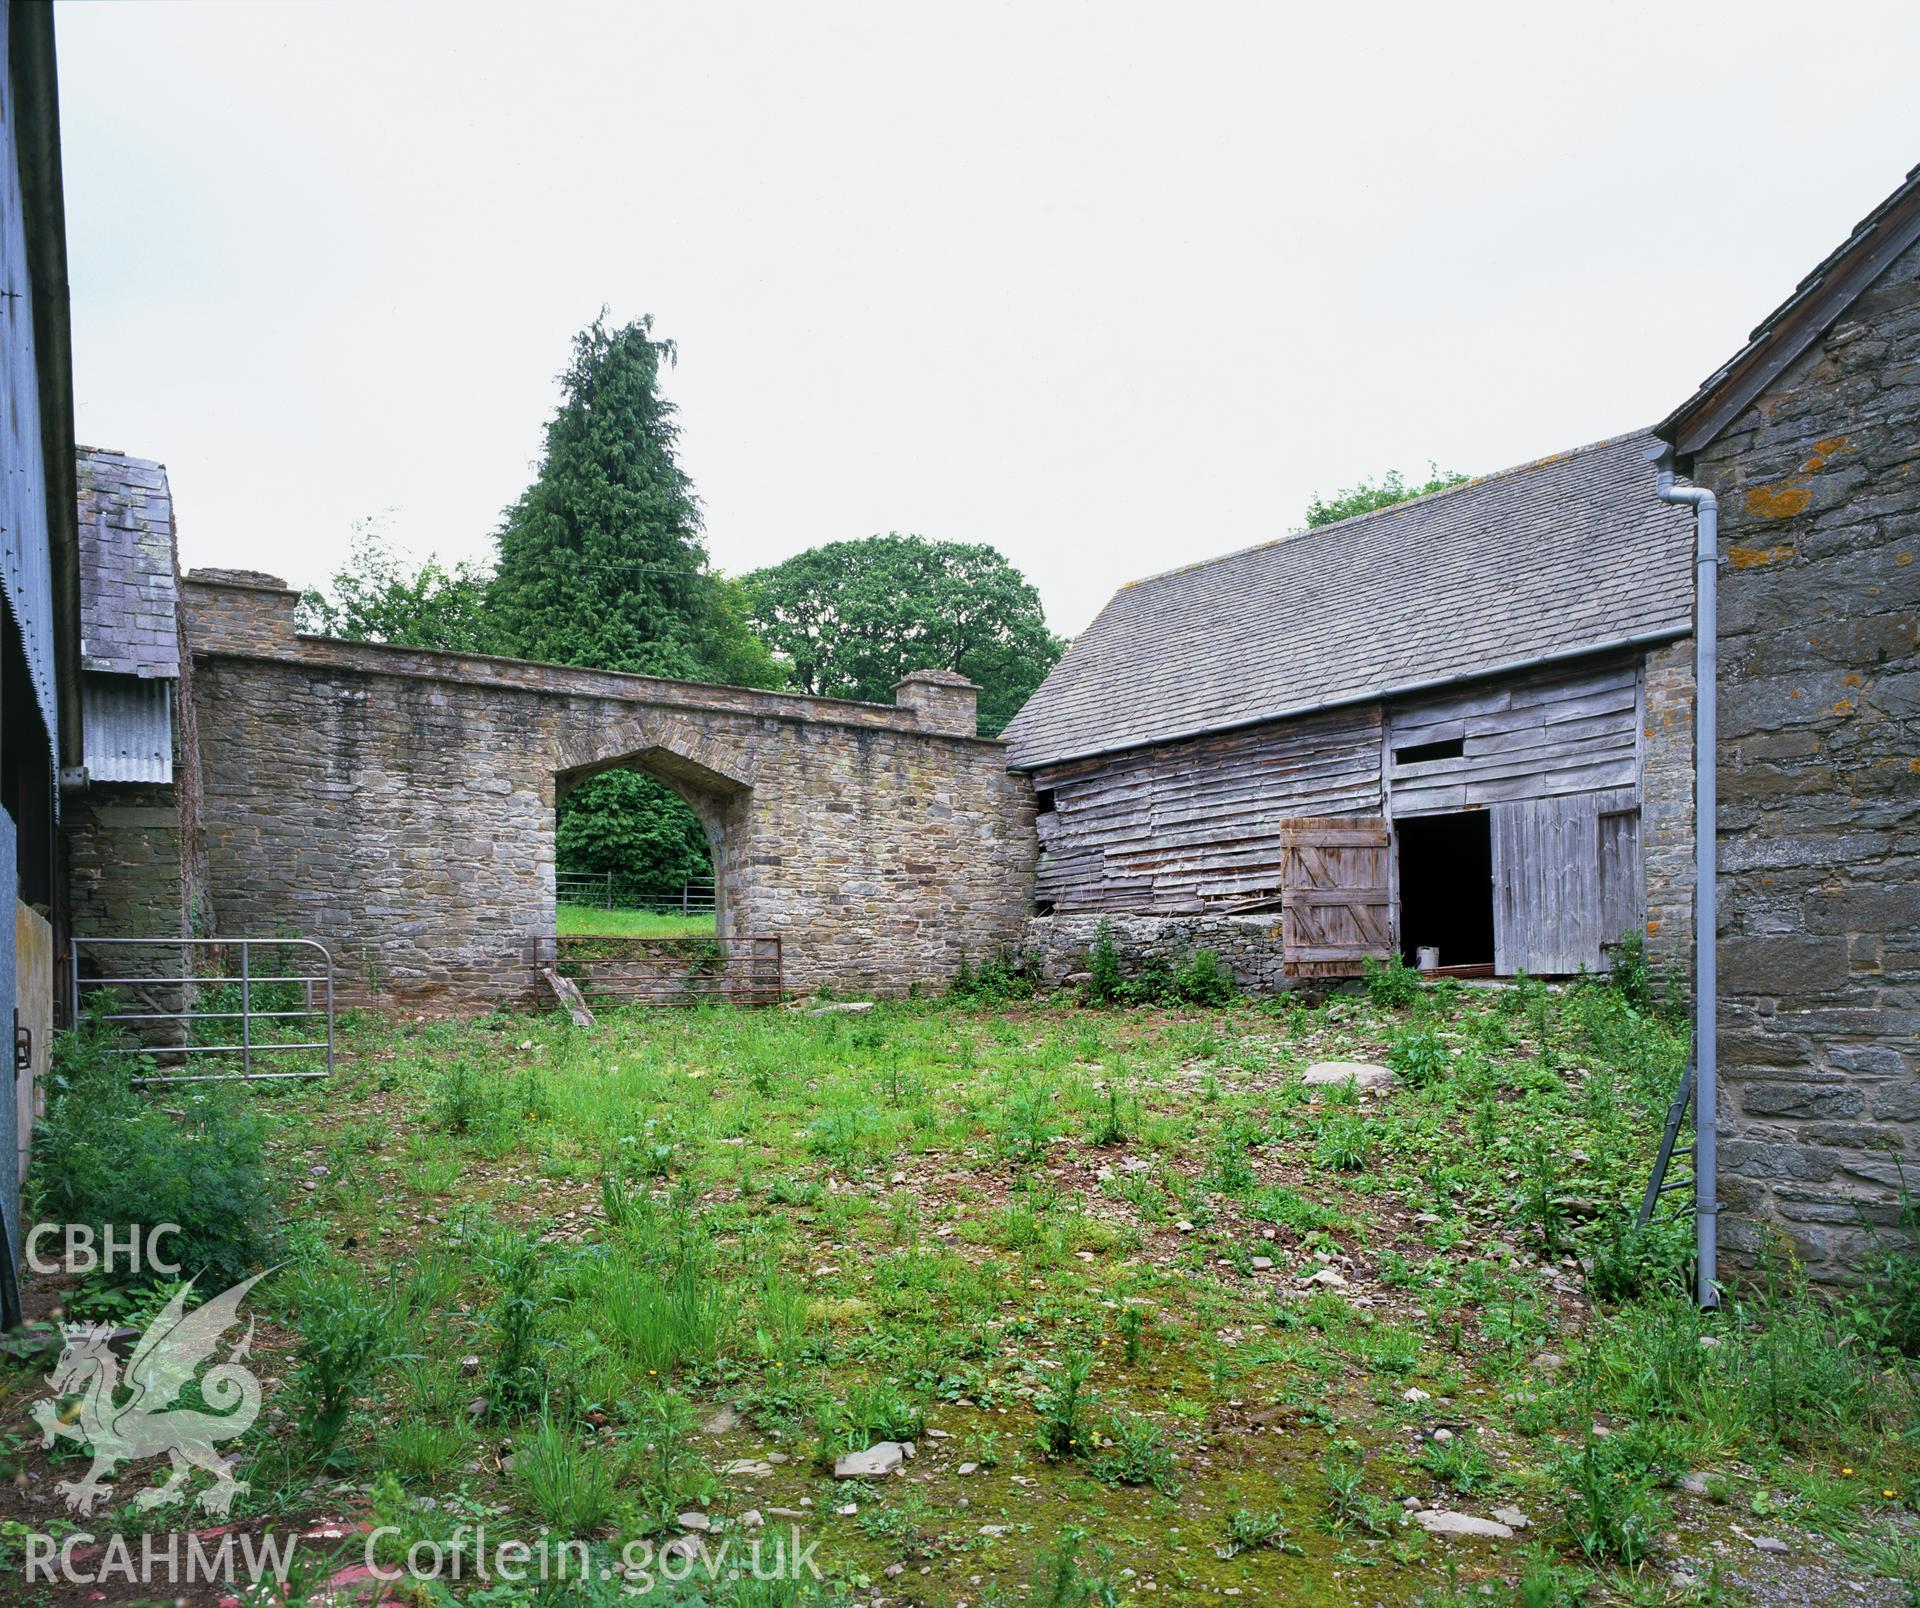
(1161, 1322)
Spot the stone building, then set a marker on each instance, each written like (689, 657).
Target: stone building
(129, 814)
(1462, 724)
(1810, 439)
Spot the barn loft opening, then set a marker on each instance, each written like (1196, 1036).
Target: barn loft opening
(1446, 887)
(1419, 753)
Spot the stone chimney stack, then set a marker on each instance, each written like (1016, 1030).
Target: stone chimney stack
(942, 701)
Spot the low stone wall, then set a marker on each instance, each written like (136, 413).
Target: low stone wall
(1247, 946)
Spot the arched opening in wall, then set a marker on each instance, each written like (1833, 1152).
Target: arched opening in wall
(641, 847)
(654, 942)
(631, 857)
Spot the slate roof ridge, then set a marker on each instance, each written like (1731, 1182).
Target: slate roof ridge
(1564, 555)
(1546, 460)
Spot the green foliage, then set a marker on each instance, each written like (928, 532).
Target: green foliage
(1629, 974)
(349, 1336)
(1134, 1451)
(1200, 979)
(1392, 986)
(569, 1485)
(1345, 1144)
(1627, 1261)
(1249, 1530)
(1104, 982)
(601, 558)
(636, 827)
(1420, 1056)
(1059, 1582)
(1612, 1511)
(512, 1262)
(1008, 974)
(876, 1411)
(1369, 495)
(376, 597)
(1350, 1507)
(1886, 1309)
(852, 618)
(109, 1153)
(1064, 1430)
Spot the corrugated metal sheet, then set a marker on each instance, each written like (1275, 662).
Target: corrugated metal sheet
(26, 569)
(129, 728)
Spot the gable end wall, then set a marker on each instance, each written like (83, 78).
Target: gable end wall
(1819, 823)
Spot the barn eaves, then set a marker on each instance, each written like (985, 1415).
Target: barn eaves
(1549, 561)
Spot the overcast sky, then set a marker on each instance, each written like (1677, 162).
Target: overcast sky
(1113, 287)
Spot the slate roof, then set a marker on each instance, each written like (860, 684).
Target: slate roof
(1816, 303)
(1568, 554)
(128, 594)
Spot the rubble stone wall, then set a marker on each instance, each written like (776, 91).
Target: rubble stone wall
(398, 804)
(1819, 822)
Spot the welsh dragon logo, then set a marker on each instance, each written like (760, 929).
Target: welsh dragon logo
(126, 1418)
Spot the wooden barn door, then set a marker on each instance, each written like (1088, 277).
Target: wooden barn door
(1336, 901)
(1566, 881)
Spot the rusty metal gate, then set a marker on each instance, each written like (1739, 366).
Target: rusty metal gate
(661, 971)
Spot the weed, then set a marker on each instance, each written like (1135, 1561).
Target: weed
(1350, 1507)
(1134, 1451)
(105, 1153)
(1459, 1462)
(347, 1339)
(1200, 979)
(1063, 1431)
(569, 1485)
(1058, 1581)
(1392, 986)
(1110, 1128)
(1345, 1144)
(1249, 1531)
(1104, 982)
(1542, 1207)
(1612, 1512)
(512, 1262)
(1419, 1056)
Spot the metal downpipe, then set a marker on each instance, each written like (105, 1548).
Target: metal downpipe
(1706, 1079)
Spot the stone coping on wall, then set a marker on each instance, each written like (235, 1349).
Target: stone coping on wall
(530, 675)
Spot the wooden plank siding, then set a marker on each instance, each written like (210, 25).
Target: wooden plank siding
(1339, 899)
(1195, 824)
(1532, 737)
(1558, 877)
(1200, 824)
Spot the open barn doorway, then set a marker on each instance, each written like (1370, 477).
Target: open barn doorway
(1446, 887)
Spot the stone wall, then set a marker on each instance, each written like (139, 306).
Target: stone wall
(1248, 946)
(1819, 488)
(398, 805)
(126, 869)
(1666, 811)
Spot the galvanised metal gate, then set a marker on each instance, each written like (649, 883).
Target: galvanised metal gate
(223, 997)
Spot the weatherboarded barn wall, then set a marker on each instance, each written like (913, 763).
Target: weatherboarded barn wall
(1585, 771)
(399, 805)
(1819, 488)
(1176, 828)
